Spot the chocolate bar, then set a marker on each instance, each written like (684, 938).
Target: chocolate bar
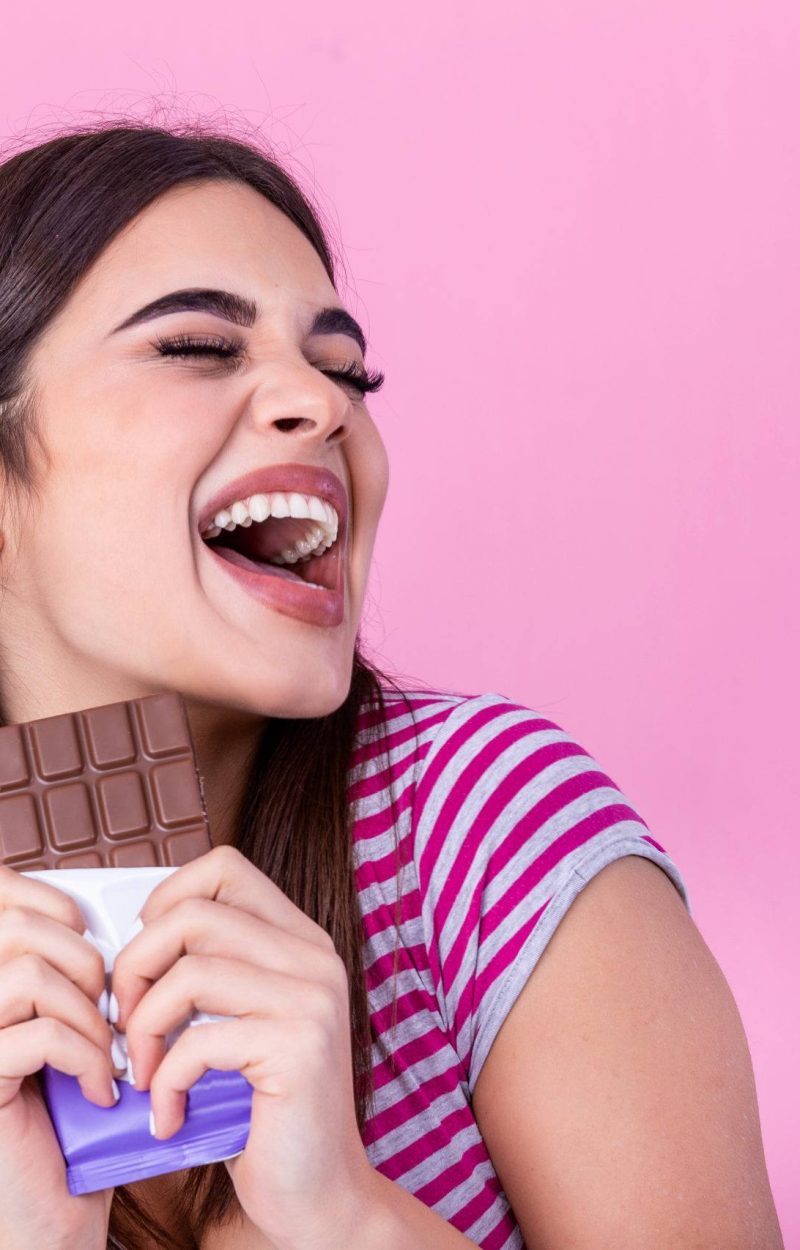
(115, 786)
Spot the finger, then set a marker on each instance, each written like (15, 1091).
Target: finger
(223, 987)
(29, 987)
(197, 926)
(229, 1046)
(224, 874)
(24, 931)
(39, 896)
(25, 1048)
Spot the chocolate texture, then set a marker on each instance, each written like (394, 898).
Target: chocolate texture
(115, 786)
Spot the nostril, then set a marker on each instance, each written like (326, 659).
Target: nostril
(289, 423)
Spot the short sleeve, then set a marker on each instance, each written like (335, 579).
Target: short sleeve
(511, 820)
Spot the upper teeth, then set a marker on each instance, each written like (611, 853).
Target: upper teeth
(278, 504)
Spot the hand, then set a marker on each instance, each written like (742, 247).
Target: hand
(50, 981)
(221, 937)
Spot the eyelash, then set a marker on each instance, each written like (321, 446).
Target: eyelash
(226, 349)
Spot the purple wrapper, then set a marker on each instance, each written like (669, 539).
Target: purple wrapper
(109, 1146)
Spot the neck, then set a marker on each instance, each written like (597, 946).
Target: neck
(225, 742)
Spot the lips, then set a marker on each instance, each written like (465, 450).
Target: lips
(291, 596)
(306, 479)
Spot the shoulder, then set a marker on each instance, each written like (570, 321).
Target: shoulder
(473, 739)
(481, 737)
(392, 742)
(440, 732)
(511, 817)
(406, 717)
(505, 786)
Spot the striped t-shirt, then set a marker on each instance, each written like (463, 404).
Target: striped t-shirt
(501, 820)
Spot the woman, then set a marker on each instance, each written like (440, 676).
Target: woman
(179, 378)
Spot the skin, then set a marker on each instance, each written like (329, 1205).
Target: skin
(108, 592)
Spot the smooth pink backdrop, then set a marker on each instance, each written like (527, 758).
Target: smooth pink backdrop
(573, 232)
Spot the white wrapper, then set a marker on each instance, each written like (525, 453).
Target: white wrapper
(110, 900)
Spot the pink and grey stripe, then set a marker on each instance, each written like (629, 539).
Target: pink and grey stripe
(502, 819)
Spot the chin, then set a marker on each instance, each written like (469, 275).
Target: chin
(296, 696)
(313, 701)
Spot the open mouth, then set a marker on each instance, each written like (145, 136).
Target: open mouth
(261, 546)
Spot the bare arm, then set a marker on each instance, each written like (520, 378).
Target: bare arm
(618, 1101)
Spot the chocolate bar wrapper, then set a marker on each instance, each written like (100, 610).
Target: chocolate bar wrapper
(109, 1146)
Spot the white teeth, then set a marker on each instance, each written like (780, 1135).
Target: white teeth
(298, 505)
(316, 509)
(279, 505)
(318, 538)
(258, 506)
(240, 514)
(310, 542)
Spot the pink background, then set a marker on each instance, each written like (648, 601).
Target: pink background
(573, 233)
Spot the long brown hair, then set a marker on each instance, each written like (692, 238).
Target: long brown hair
(61, 203)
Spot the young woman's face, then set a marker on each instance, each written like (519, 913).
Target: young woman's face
(109, 590)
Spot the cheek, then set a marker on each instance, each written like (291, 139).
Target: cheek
(383, 472)
(119, 479)
(372, 469)
(107, 570)
(117, 593)
(144, 431)
(110, 529)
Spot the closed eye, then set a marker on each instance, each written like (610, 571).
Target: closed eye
(232, 350)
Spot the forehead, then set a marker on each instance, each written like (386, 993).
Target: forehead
(209, 234)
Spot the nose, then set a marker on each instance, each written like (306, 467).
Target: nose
(301, 400)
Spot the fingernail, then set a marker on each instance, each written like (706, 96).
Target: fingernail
(102, 1004)
(152, 1124)
(129, 1070)
(113, 1009)
(115, 1088)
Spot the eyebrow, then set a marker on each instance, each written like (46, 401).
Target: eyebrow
(240, 311)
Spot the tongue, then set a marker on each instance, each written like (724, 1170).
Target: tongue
(255, 566)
